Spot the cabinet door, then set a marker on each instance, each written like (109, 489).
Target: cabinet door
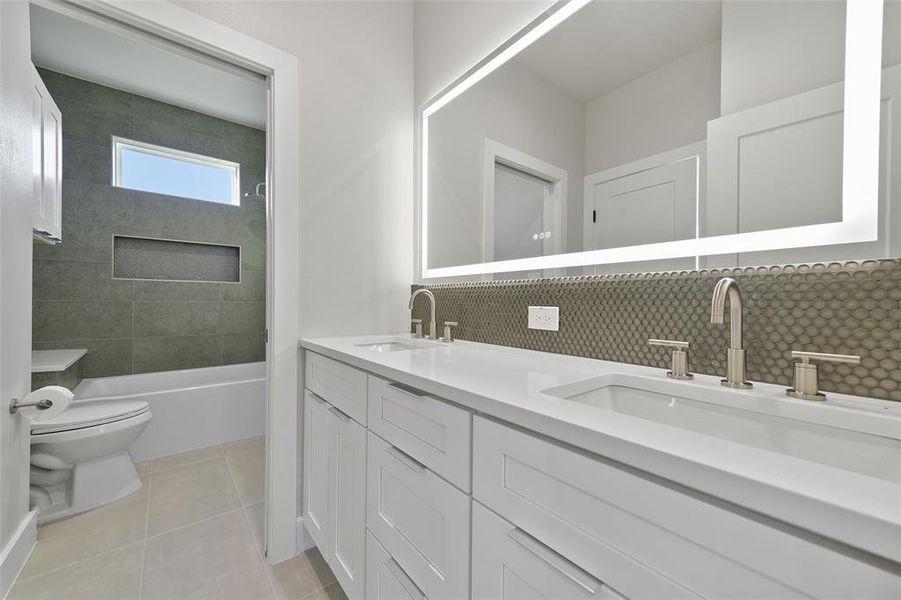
(385, 579)
(47, 140)
(52, 151)
(317, 434)
(348, 503)
(508, 564)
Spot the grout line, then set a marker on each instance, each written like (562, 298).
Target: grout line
(267, 570)
(78, 562)
(191, 524)
(146, 528)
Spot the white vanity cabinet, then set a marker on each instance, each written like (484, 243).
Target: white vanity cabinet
(647, 538)
(420, 519)
(334, 504)
(544, 519)
(47, 141)
(509, 564)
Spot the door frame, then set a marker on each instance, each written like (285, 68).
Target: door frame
(194, 32)
(555, 202)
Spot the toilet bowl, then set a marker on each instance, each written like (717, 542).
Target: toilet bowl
(80, 459)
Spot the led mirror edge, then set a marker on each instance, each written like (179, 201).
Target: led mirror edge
(860, 155)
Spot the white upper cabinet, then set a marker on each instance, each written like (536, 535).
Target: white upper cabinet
(47, 131)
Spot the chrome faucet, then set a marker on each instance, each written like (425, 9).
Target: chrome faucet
(736, 368)
(433, 328)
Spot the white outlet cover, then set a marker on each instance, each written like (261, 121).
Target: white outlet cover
(546, 318)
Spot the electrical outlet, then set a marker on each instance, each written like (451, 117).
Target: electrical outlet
(544, 317)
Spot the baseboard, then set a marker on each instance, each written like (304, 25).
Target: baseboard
(17, 551)
(304, 541)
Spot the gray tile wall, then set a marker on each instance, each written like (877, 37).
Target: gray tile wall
(143, 326)
(845, 308)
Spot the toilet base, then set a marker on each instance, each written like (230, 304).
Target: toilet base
(95, 483)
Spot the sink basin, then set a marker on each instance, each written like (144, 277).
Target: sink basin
(864, 439)
(398, 345)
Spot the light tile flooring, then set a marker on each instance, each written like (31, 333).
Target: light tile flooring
(193, 530)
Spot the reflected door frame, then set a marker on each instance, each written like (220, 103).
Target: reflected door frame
(696, 153)
(555, 201)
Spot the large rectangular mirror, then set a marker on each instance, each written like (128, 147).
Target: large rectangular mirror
(648, 135)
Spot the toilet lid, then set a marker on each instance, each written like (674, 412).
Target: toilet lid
(89, 414)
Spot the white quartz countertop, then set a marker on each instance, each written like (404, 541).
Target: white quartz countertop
(51, 361)
(507, 383)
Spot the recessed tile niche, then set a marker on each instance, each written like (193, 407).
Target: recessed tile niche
(172, 260)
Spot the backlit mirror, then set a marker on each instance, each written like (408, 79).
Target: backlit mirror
(649, 135)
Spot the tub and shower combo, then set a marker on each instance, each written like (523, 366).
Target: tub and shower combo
(83, 458)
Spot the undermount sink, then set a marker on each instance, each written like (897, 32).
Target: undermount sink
(864, 438)
(398, 345)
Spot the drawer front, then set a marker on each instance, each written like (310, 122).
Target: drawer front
(509, 564)
(436, 433)
(385, 579)
(590, 511)
(420, 519)
(338, 384)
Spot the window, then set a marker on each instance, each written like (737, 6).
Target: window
(150, 168)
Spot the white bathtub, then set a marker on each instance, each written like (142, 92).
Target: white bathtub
(193, 408)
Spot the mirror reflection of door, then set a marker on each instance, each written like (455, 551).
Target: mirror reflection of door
(522, 227)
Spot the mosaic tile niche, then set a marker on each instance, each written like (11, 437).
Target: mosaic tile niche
(847, 308)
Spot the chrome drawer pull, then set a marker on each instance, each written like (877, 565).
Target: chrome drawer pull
(408, 584)
(406, 459)
(563, 566)
(405, 390)
(339, 413)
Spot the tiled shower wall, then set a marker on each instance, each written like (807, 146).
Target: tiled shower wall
(847, 308)
(144, 326)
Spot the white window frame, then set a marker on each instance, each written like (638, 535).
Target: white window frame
(120, 144)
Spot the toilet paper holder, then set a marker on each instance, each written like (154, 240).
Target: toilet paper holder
(15, 405)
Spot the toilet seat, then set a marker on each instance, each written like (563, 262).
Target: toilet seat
(90, 414)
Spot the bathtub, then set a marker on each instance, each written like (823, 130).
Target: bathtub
(193, 408)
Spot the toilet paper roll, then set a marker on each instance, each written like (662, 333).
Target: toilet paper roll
(60, 396)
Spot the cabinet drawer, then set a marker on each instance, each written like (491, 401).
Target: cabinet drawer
(385, 579)
(338, 384)
(509, 564)
(436, 433)
(591, 510)
(420, 519)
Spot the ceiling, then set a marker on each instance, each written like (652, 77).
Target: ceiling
(131, 62)
(612, 42)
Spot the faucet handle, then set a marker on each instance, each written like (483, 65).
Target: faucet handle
(417, 323)
(806, 385)
(679, 363)
(448, 335)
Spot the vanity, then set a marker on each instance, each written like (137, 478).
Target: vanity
(458, 470)
(618, 171)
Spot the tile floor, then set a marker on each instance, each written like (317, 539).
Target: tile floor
(193, 530)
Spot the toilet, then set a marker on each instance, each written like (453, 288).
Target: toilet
(79, 458)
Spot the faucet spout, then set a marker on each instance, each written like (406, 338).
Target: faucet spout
(727, 289)
(433, 328)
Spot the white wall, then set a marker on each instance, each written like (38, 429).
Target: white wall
(517, 108)
(15, 266)
(452, 35)
(665, 109)
(778, 48)
(356, 213)
(356, 72)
